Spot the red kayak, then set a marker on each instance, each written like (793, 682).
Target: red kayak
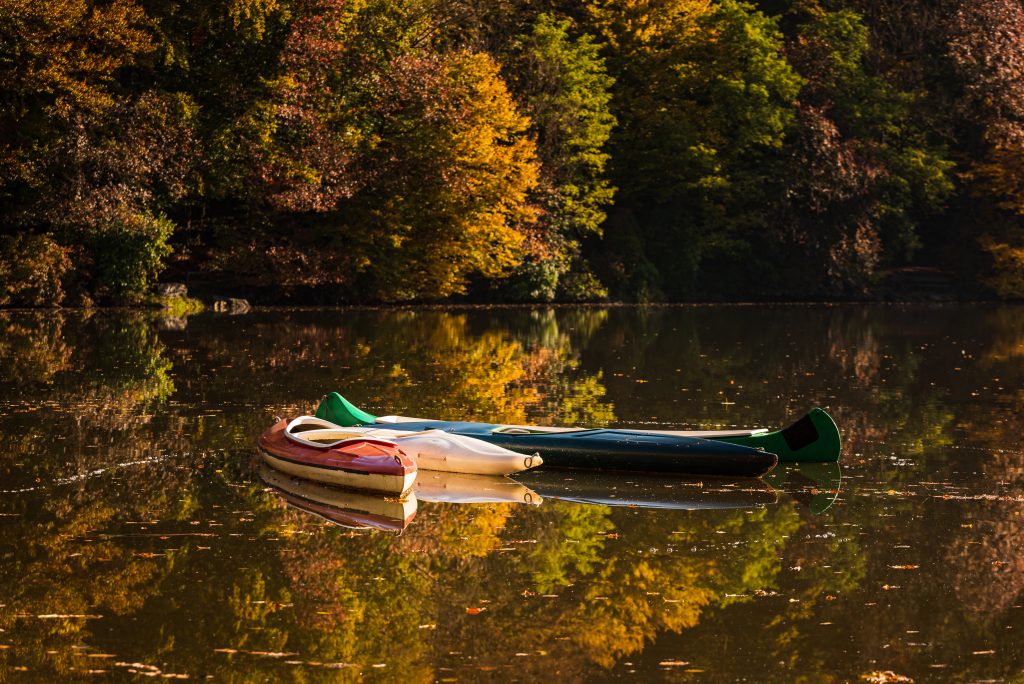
(360, 463)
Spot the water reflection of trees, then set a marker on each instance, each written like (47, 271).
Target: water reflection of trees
(80, 387)
(478, 364)
(584, 584)
(179, 410)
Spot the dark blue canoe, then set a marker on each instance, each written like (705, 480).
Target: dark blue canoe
(596, 449)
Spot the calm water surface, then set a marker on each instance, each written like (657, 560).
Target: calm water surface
(138, 538)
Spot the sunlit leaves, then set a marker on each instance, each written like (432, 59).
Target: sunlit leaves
(65, 52)
(32, 269)
(454, 168)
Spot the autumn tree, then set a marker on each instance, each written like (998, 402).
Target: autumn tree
(858, 173)
(86, 160)
(394, 170)
(452, 173)
(986, 43)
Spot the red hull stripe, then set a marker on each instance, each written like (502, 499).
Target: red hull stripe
(321, 466)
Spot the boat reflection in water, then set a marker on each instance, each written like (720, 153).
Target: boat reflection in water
(814, 485)
(344, 507)
(648, 491)
(439, 487)
(358, 509)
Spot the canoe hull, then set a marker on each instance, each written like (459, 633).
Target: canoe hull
(374, 482)
(812, 439)
(623, 450)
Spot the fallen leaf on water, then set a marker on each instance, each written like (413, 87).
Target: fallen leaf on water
(904, 567)
(474, 611)
(982, 652)
(886, 677)
(673, 663)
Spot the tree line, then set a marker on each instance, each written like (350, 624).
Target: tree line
(392, 150)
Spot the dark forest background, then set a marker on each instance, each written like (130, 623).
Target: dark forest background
(514, 150)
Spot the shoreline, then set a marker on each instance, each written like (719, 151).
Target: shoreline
(427, 306)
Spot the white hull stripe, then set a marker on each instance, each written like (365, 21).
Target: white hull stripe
(394, 484)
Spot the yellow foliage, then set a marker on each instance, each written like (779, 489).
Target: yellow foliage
(646, 24)
(1008, 261)
(71, 49)
(1003, 176)
(499, 166)
(467, 217)
(638, 612)
(250, 16)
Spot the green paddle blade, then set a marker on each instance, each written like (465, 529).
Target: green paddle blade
(812, 439)
(340, 411)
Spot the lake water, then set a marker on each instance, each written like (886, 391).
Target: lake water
(137, 536)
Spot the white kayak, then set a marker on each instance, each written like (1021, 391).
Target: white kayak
(430, 449)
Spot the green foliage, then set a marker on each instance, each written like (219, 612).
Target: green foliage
(703, 94)
(854, 177)
(177, 307)
(129, 255)
(566, 88)
(581, 284)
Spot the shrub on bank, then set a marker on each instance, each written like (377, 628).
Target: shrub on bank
(32, 270)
